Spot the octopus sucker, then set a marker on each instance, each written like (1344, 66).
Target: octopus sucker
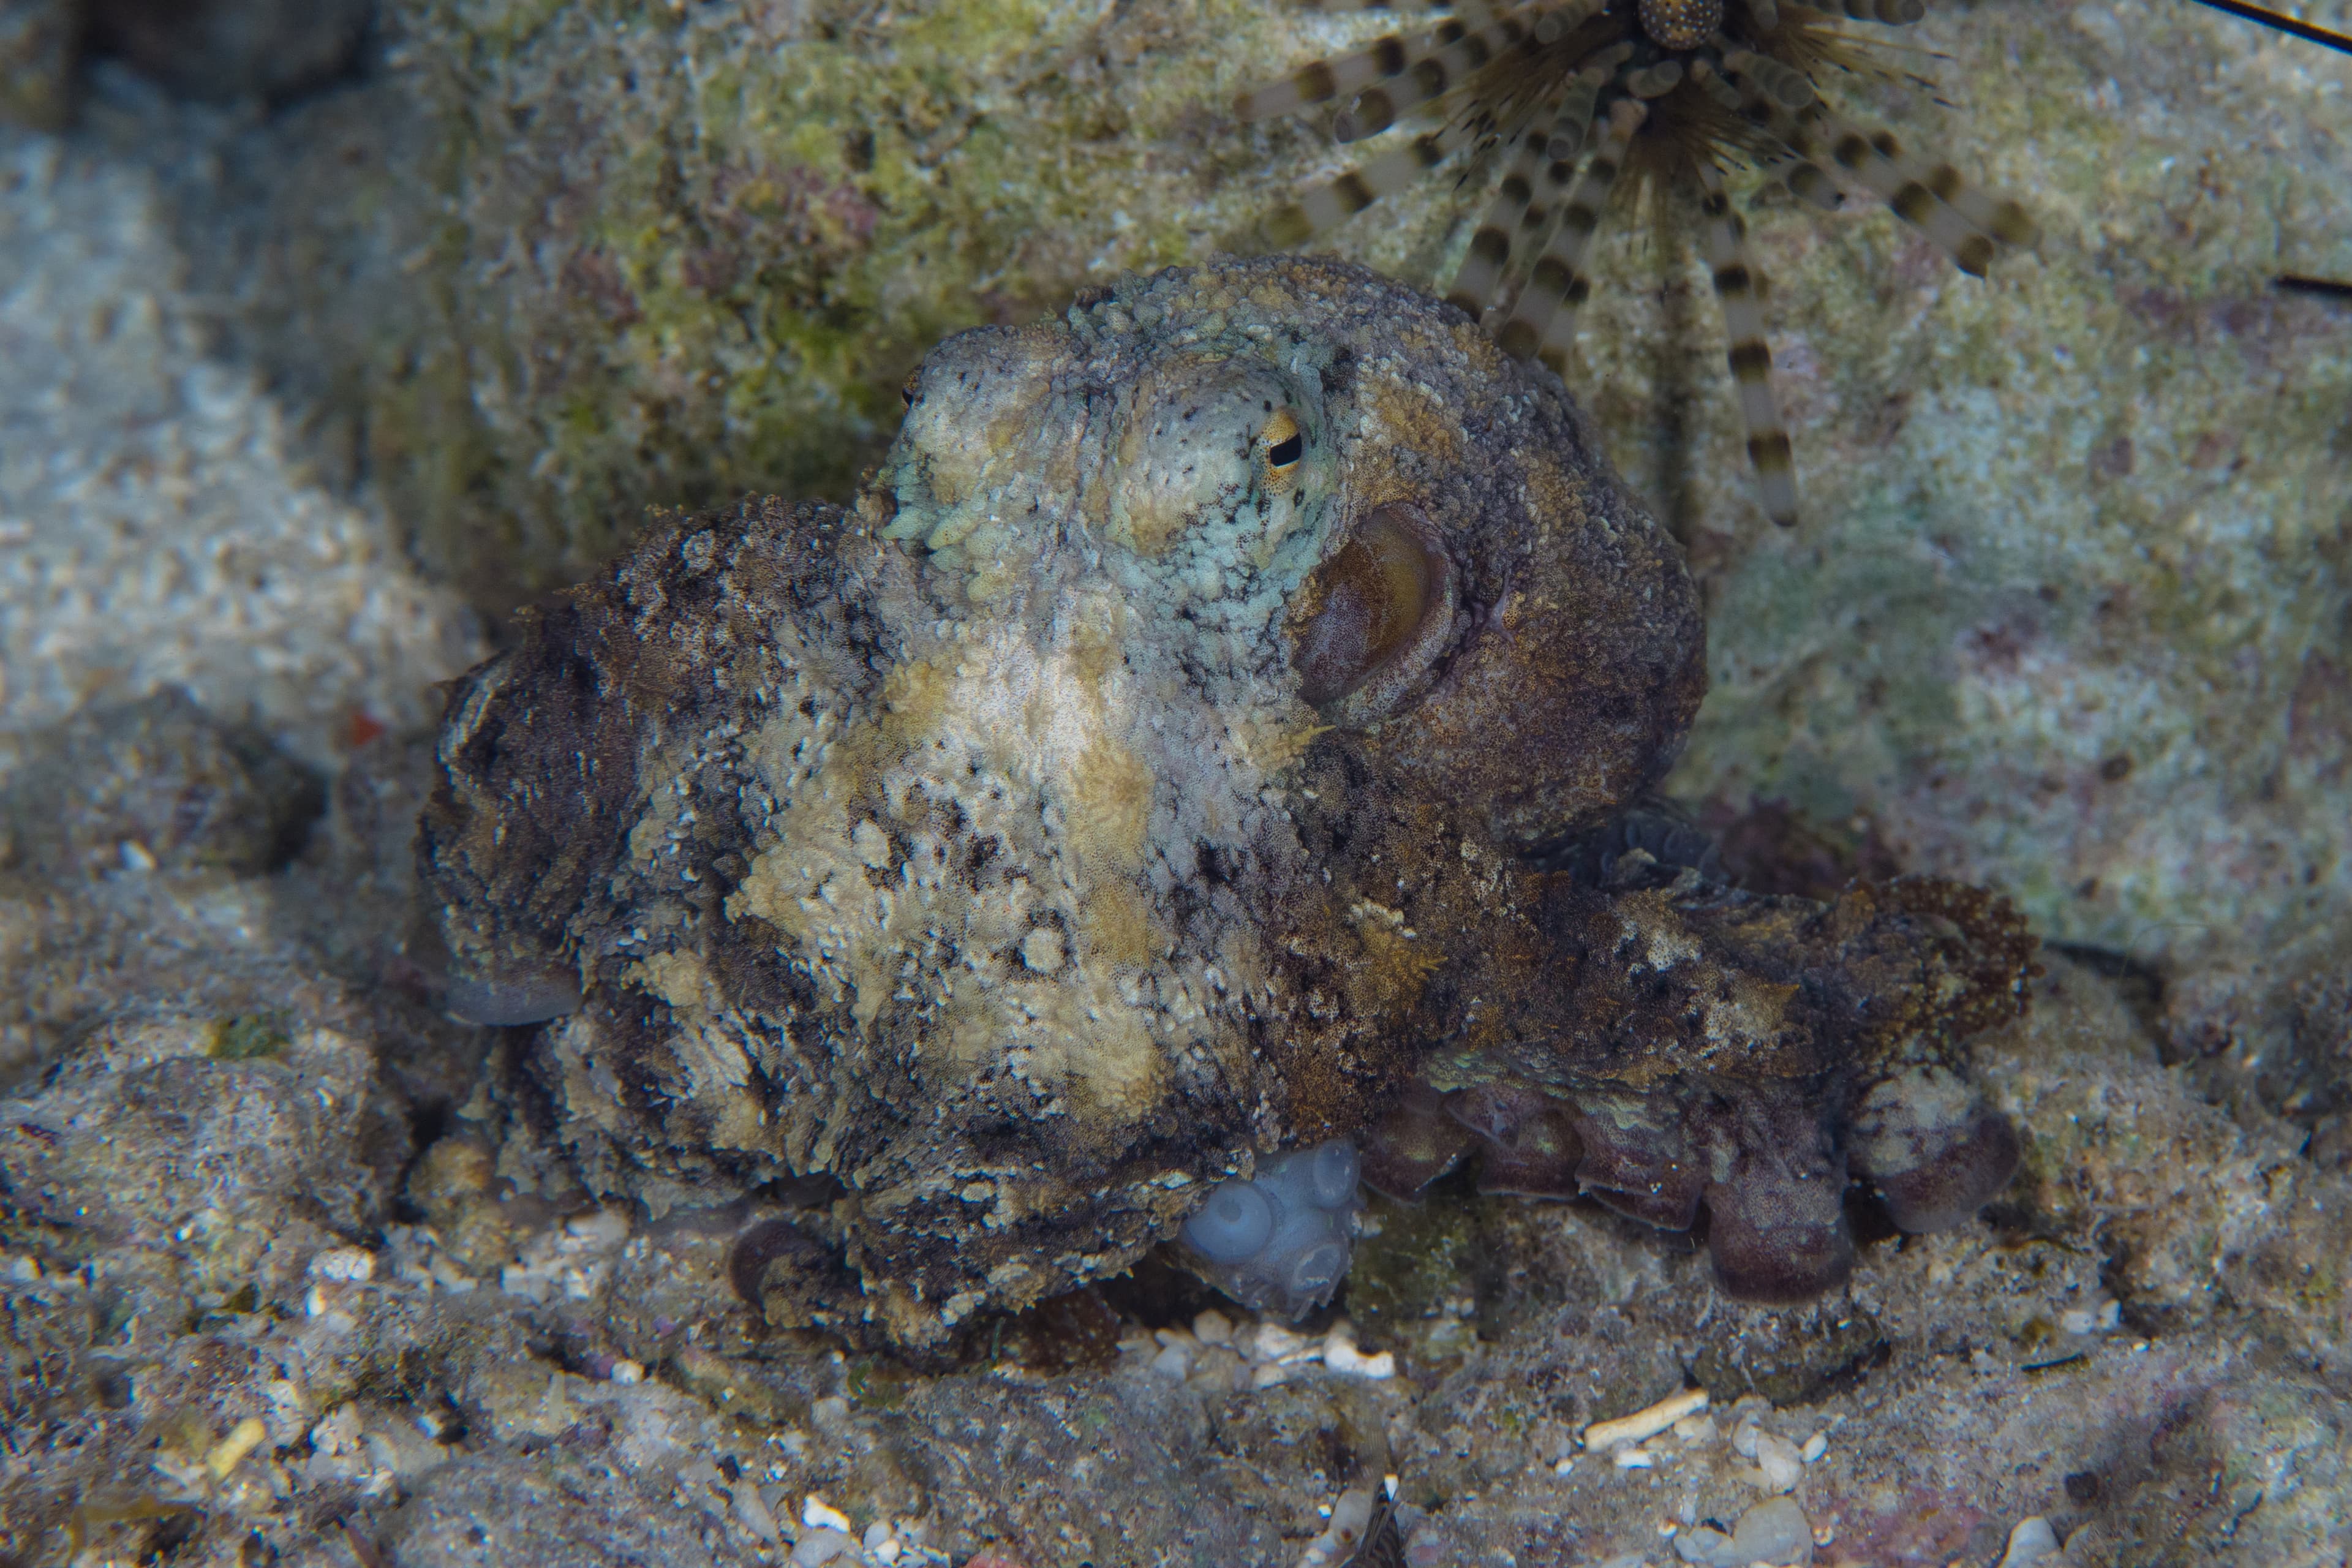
(1136, 820)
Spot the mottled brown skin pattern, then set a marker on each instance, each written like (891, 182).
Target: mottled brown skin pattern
(1693, 1054)
(980, 848)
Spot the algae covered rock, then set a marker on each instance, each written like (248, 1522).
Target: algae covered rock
(684, 254)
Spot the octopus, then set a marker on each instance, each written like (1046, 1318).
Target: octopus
(1205, 769)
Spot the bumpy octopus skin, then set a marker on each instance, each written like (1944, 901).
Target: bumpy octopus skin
(1708, 1051)
(1161, 766)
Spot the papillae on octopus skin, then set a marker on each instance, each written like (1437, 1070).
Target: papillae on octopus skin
(1762, 1161)
(1146, 812)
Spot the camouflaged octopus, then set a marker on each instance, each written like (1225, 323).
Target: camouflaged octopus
(1173, 758)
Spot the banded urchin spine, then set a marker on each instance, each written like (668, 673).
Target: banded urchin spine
(1579, 97)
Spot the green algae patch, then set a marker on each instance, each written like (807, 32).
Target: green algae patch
(693, 253)
(1412, 1265)
(248, 1036)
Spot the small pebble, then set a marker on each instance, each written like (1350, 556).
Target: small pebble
(230, 1451)
(821, 1546)
(626, 1371)
(1172, 1363)
(818, 1514)
(1213, 1327)
(2031, 1543)
(1775, 1533)
(1272, 1342)
(1647, 1423)
(1815, 1447)
(2089, 1321)
(1633, 1459)
(752, 1509)
(351, 1264)
(1346, 1358)
(603, 1227)
(1777, 1458)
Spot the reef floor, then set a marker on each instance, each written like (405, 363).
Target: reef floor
(260, 1302)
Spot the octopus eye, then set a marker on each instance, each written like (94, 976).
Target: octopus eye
(1282, 443)
(1364, 607)
(907, 389)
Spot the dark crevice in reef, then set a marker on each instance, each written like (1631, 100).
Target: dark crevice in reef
(1869, 1218)
(2139, 985)
(1770, 846)
(428, 1121)
(1160, 1294)
(1850, 1374)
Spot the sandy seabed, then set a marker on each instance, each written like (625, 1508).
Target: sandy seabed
(255, 1305)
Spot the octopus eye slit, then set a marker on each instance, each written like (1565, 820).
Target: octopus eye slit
(906, 392)
(1283, 444)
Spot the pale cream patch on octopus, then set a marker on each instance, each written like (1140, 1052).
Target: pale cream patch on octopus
(1045, 749)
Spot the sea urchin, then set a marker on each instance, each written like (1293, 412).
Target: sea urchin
(1575, 96)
